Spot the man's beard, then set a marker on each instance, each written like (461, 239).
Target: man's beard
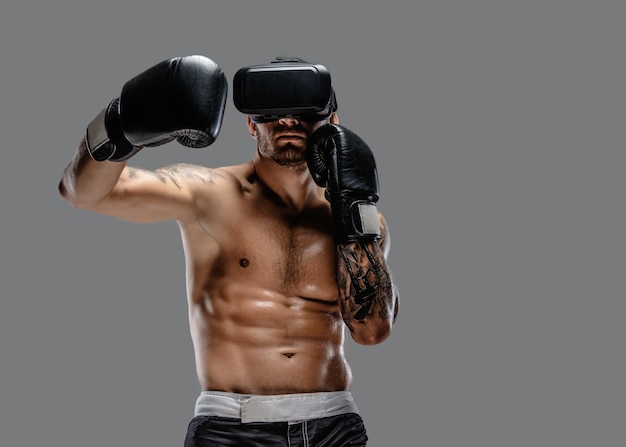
(289, 156)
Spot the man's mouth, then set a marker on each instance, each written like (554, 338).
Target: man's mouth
(290, 136)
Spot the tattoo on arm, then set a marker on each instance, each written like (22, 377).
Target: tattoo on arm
(177, 172)
(365, 285)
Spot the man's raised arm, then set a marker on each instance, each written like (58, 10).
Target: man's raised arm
(180, 99)
(343, 163)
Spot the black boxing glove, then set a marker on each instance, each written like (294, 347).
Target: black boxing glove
(343, 163)
(180, 99)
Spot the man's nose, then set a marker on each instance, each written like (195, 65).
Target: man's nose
(288, 121)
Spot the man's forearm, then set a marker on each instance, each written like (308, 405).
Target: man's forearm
(85, 180)
(366, 290)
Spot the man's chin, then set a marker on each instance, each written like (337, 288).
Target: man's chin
(290, 158)
(299, 164)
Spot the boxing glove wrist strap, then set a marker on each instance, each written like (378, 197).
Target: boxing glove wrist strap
(104, 137)
(365, 219)
(358, 221)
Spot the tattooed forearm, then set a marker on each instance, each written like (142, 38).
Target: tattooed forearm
(365, 285)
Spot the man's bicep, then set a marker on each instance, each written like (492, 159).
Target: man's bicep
(149, 196)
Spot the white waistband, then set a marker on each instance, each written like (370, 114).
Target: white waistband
(275, 408)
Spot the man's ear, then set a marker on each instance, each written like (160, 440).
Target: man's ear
(334, 118)
(251, 127)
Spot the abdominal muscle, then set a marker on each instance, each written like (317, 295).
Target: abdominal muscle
(257, 341)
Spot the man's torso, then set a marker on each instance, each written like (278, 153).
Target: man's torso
(263, 295)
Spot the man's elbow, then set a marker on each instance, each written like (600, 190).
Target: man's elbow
(65, 193)
(70, 195)
(369, 334)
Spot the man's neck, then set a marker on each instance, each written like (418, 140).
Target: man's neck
(291, 185)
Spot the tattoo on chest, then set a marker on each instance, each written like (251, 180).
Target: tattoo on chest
(363, 285)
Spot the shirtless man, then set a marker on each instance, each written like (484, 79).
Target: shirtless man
(282, 253)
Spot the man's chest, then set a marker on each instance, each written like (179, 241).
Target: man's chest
(291, 253)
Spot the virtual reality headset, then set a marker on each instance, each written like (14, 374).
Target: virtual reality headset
(286, 87)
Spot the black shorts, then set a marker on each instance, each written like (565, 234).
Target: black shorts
(345, 430)
(325, 419)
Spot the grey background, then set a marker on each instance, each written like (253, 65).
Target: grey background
(498, 128)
